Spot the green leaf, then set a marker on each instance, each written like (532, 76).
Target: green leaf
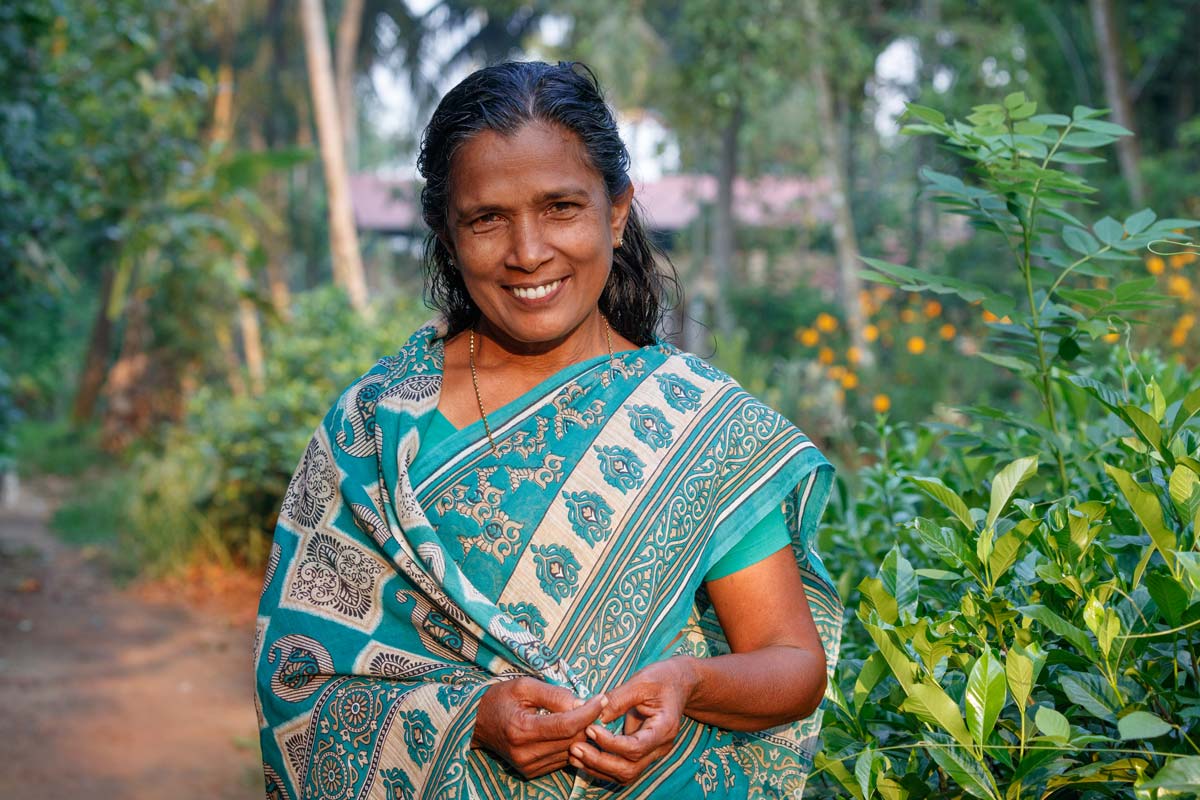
(1169, 595)
(898, 660)
(1139, 221)
(985, 696)
(869, 675)
(900, 580)
(1017, 365)
(879, 598)
(1142, 725)
(944, 541)
(1076, 636)
(915, 280)
(1004, 551)
(971, 775)
(1180, 774)
(942, 708)
(1109, 231)
(1052, 724)
(1111, 399)
(1144, 503)
(1014, 100)
(1144, 425)
(1188, 408)
(1022, 667)
(1100, 126)
(1079, 240)
(838, 770)
(1158, 402)
(925, 114)
(1068, 348)
(1091, 693)
(946, 496)
(1005, 483)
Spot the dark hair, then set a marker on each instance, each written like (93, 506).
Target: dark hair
(504, 98)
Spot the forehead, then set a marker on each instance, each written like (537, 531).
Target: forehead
(535, 159)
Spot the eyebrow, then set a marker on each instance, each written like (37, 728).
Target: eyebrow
(565, 193)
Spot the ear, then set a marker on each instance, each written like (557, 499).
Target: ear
(449, 245)
(619, 213)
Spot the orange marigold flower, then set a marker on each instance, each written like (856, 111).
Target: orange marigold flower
(908, 315)
(853, 354)
(1112, 337)
(1179, 286)
(871, 333)
(881, 403)
(849, 381)
(1187, 320)
(1179, 337)
(932, 308)
(989, 316)
(916, 345)
(826, 322)
(1181, 260)
(809, 337)
(947, 331)
(1154, 265)
(836, 372)
(825, 355)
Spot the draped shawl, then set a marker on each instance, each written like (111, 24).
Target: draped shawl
(401, 584)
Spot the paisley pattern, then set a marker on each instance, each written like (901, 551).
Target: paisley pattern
(404, 582)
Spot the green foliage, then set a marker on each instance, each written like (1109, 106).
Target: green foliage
(1035, 623)
(215, 483)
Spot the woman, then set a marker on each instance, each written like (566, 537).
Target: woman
(539, 553)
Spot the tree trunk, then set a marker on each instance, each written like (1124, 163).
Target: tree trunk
(724, 234)
(95, 363)
(252, 347)
(349, 29)
(1117, 96)
(347, 262)
(845, 242)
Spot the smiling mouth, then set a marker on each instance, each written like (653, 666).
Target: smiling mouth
(535, 292)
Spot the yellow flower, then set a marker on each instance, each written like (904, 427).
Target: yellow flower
(932, 308)
(808, 337)
(989, 316)
(1179, 337)
(1187, 320)
(1154, 265)
(908, 315)
(825, 355)
(853, 354)
(916, 345)
(871, 333)
(1112, 337)
(826, 322)
(881, 403)
(947, 331)
(1180, 260)
(849, 381)
(836, 372)
(1179, 286)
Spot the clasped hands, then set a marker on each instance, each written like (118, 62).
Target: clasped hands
(539, 728)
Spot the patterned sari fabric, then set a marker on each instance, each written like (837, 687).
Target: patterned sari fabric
(403, 583)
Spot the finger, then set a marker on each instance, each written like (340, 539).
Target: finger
(625, 697)
(548, 696)
(546, 765)
(606, 765)
(568, 724)
(632, 747)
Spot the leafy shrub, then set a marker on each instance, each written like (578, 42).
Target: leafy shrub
(217, 482)
(1035, 623)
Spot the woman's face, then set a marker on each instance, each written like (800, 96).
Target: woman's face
(532, 231)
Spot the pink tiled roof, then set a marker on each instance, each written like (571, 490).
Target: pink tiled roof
(671, 202)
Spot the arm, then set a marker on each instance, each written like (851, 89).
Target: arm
(774, 674)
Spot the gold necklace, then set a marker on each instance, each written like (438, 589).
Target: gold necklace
(475, 378)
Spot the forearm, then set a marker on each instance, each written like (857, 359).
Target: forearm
(755, 690)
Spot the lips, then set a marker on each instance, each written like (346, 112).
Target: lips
(536, 292)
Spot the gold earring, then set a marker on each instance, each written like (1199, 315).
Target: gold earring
(620, 241)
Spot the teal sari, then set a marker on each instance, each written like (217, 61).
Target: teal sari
(403, 582)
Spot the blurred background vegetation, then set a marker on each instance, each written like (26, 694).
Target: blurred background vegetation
(208, 231)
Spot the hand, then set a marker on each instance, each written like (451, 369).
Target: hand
(652, 701)
(512, 722)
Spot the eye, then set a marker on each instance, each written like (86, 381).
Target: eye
(562, 207)
(485, 221)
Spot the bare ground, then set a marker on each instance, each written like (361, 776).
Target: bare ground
(120, 692)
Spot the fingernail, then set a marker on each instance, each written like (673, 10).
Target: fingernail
(591, 732)
(577, 704)
(577, 751)
(603, 701)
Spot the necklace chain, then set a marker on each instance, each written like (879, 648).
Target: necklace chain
(475, 378)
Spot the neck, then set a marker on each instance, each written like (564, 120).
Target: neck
(587, 340)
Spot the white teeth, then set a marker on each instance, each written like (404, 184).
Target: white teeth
(535, 292)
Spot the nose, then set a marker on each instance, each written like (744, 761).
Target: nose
(530, 247)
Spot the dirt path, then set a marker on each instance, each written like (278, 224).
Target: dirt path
(129, 693)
